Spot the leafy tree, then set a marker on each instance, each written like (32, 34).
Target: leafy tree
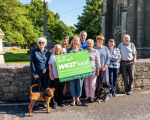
(91, 20)
(24, 23)
(14, 23)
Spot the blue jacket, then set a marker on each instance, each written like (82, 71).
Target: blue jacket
(39, 61)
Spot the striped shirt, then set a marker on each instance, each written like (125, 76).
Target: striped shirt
(94, 58)
(114, 53)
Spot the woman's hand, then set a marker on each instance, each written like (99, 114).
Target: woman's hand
(36, 76)
(116, 58)
(63, 50)
(52, 77)
(97, 72)
(44, 71)
(104, 67)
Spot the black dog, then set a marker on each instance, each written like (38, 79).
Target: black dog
(103, 90)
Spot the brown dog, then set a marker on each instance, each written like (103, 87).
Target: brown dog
(39, 96)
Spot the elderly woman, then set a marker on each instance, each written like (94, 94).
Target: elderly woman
(55, 83)
(90, 81)
(39, 64)
(104, 60)
(76, 84)
(113, 66)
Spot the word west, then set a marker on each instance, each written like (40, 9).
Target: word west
(73, 64)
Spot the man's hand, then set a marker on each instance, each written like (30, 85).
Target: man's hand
(132, 63)
(36, 76)
(44, 71)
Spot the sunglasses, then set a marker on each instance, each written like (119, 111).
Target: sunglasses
(41, 42)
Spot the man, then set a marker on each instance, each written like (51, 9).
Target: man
(128, 59)
(65, 41)
(83, 36)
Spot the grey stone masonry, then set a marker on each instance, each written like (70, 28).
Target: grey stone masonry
(15, 80)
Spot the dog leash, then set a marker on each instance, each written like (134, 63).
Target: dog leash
(39, 80)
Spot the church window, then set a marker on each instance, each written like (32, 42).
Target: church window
(119, 12)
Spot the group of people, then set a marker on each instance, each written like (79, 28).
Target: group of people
(105, 63)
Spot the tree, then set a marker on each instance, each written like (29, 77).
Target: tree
(91, 20)
(24, 23)
(16, 26)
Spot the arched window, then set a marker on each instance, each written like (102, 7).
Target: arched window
(119, 11)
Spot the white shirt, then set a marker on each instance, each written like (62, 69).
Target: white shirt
(54, 66)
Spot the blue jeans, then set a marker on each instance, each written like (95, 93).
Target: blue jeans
(76, 87)
(113, 76)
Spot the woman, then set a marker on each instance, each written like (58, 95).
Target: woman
(113, 66)
(39, 64)
(65, 41)
(104, 60)
(90, 81)
(75, 85)
(55, 83)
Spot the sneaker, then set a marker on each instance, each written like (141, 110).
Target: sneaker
(110, 95)
(126, 93)
(107, 98)
(55, 105)
(44, 105)
(114, 94)
(130, 92)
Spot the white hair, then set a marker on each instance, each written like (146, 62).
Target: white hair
(42, 38)
(83, 32)
(127, 35)
(90, 40)
(55, 48)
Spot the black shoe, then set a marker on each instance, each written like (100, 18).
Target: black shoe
(126, 93)
(55, 105)
(91, 101)
(114, 94)
(62, 104)
(130, 92)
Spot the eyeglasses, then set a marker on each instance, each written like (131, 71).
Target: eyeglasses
(41, 42)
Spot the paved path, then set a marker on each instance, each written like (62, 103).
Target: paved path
(123, 107)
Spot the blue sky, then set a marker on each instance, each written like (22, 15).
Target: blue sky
(67, 9)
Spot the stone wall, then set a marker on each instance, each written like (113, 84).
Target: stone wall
(15, 80)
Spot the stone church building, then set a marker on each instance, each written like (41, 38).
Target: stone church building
(128, 17)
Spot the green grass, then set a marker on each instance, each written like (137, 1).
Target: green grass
(16, 57)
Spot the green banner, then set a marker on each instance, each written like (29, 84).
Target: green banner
(73, 65)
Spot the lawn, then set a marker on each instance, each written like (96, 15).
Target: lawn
(17, 57)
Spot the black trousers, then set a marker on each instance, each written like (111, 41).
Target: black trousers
(58, 93)
(43, 79)
(127, 69)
